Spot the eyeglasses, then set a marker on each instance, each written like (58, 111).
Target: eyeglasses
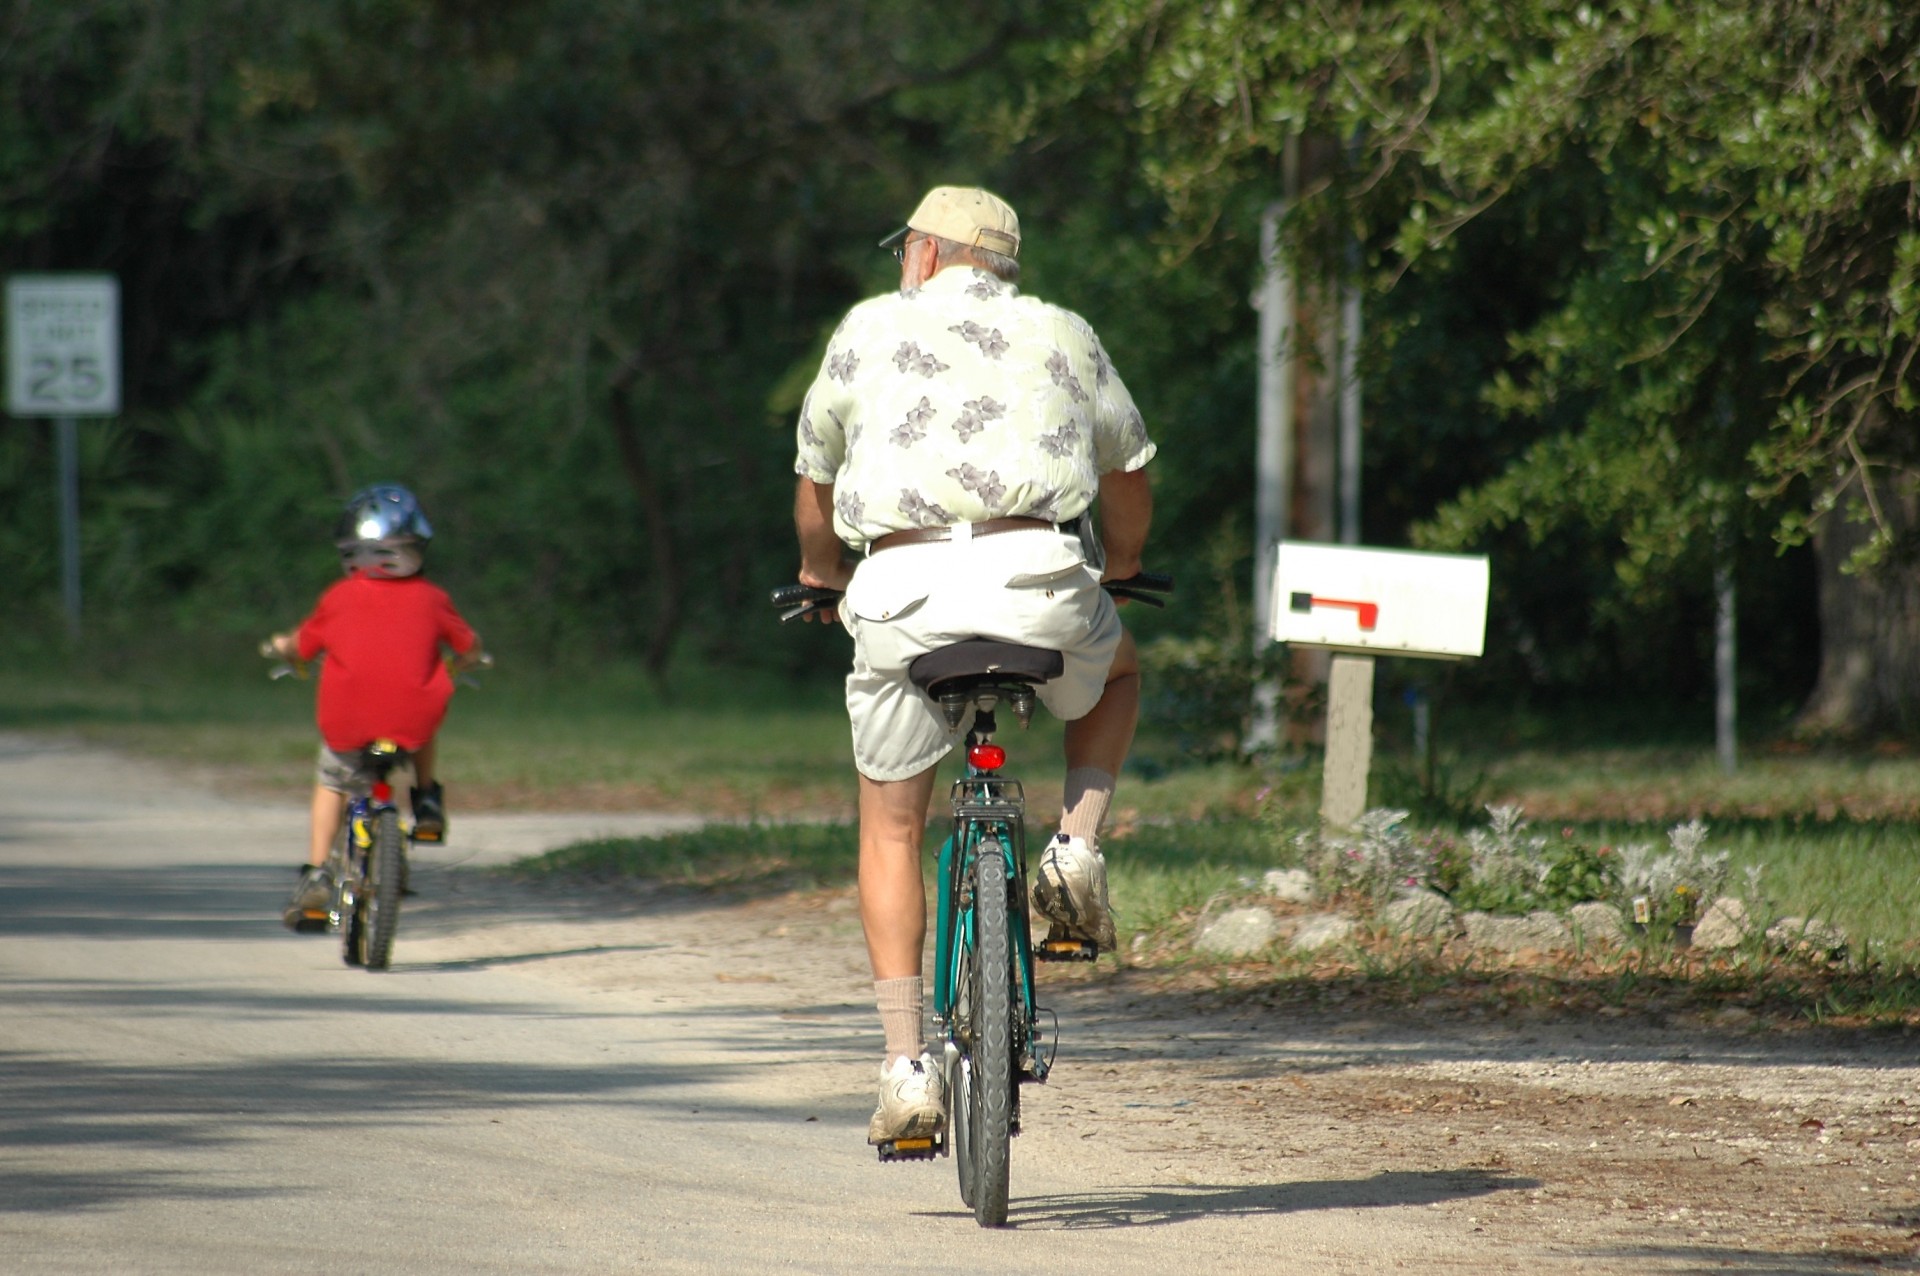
(900, 250)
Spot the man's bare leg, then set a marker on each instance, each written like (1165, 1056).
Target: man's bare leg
(893, 901)
(893, 904)
(1097, 746)
(1101, 739)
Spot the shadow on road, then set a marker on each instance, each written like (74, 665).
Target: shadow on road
(1183, 1203)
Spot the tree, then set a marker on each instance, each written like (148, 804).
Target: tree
(1717, 340)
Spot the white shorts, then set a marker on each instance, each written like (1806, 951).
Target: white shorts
(1031, 587)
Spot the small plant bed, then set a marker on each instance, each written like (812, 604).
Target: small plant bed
(1505, 919)
(1372, 970)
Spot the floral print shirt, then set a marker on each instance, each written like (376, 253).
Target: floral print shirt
(962, 401)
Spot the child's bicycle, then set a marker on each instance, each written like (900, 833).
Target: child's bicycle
(368, 864)
(983, 998)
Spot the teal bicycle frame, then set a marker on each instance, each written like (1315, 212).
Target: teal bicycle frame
(986, 809)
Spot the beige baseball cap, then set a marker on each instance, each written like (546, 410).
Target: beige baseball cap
(966, 215)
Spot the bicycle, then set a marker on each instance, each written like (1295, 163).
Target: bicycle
(368, 863)
(983, 986)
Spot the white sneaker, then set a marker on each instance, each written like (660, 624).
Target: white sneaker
(1071, 889)
(913, 1101)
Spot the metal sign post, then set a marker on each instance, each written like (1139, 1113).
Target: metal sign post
(63, 361)
(1359, 603)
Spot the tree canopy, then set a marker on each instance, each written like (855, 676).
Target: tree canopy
(1641, 283)
(1709, 212)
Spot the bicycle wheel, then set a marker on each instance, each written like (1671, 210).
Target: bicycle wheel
(380, 897)
(989, 1061)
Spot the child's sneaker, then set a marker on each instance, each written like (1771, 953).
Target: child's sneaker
(1070, 888)
(311, 902)
(429, 814)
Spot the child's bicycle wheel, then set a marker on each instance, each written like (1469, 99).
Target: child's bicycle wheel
(378, 903)
(983, 1104)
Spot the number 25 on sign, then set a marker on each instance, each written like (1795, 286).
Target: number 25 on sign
(63, 345)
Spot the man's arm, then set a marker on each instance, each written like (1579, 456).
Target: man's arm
(1126, 512)
(823, 562)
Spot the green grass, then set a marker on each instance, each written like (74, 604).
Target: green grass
(1839, 833)
(737, 747)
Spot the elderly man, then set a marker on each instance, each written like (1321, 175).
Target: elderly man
(956, 434)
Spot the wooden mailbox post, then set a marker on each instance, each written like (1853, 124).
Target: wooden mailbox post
(1361, 603)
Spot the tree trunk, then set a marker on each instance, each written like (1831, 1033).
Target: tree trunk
(1869, 679)
(669, 587)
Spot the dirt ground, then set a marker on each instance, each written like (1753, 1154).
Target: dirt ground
(1706, 1143)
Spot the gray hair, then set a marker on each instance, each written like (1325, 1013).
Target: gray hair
(951, 252)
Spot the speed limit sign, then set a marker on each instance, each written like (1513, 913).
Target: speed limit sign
(63, 345)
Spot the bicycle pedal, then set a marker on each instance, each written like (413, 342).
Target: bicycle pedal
(924, 1148)
(1062, 948)
(427, 835)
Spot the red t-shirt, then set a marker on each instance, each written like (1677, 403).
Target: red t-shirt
(383, 677)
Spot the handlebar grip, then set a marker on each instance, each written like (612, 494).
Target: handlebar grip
(797, 599)
(1151, 582)
(788, 595)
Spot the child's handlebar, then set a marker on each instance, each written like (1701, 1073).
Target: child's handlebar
(283, 666)
(798, 600)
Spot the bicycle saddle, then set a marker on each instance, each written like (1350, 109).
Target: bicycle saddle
(984, 660)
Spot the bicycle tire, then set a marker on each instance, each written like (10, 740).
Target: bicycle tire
(990, 1059)
(386, 871)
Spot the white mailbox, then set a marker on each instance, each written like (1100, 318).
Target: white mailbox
(1380, 602)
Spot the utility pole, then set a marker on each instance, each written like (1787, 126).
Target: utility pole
(1725, 667)
(1273, 447)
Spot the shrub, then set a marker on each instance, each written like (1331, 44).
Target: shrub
(1667, 890)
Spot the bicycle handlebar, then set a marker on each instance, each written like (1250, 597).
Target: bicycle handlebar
(798, 600)
(1141, 587)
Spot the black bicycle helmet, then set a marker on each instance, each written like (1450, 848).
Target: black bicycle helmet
(382, 532)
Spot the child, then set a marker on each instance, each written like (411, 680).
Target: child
(383, 631)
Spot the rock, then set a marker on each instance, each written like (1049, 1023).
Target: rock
(1421, 913)
(1321, 930)
(1239, 932)
(1542, 931)
(1289, 885)
(1724, 925)
(1597, 923)
(1808, 937)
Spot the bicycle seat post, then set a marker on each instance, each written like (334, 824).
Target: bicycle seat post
(983, 723)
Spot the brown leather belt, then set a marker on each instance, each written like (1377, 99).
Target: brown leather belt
(921, 535)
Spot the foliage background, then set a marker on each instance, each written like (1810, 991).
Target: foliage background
(564, 266)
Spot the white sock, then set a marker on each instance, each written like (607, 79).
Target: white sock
(902, 1003)
(1088, 794)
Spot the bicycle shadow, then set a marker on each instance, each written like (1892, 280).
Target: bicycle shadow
(1162, 1204)
(497, 960)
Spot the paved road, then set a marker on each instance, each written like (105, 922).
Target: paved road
(184, 1086)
